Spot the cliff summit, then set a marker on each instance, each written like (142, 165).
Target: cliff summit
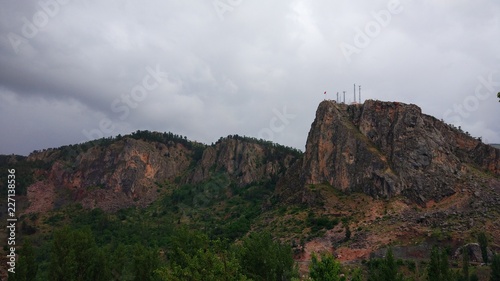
(386, 149)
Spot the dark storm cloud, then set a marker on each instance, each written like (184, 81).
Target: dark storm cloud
(236, 67)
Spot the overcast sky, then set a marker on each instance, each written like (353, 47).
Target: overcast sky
(75, 70)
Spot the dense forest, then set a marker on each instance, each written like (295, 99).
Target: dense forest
(176, 239)
(93, 247)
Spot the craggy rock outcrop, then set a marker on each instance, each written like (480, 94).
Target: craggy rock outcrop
(245, 161)
(126, 172)
(386, 149)
(474, 252)
(120, 174)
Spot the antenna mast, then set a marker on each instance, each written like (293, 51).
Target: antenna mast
(359, 93)
(354, 92)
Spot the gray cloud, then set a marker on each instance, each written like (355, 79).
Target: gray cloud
(229, 71)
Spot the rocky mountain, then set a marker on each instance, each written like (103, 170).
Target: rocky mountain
(372, 175)
(386, 149)
(383, 149)
(123, 172)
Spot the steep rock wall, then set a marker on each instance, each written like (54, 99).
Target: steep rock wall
(386, 149)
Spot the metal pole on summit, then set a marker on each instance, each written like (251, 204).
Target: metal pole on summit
(359, 93)
(337, 96)
(354, 93)
(344, 96)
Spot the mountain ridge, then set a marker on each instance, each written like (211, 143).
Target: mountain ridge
(380, 148)
(386, 149)
(115, 173)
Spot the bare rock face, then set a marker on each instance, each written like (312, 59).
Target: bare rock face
(127, 172)
(387, 148)
(245, 161)
(338, 154)
(121, 174)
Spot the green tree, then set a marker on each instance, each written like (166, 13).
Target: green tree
(444, 266)
(146, 262)
(263, 259)
(390, 270)
(184, 244)
(483, 245)
(433, 270)
(385, 269)
(439, 268)
(465, 263)
(495, 268)
(63, 264)
(357, 275)
(325, 269)
(118, 261)
(75, 256)
(27, 267)
(192, 256)
(347, 233)
(206, 264)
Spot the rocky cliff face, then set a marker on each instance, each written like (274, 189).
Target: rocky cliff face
(114, 176)
(127, 171)
(245, 161)
(386, 149)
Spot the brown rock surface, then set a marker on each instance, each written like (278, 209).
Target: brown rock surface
(127, 172)
(385, 149)
(246, 161)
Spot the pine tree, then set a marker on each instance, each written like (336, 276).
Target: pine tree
(439, 267)
(390, 268)
(495, 268)
(483, 244)
(465, 263)
(385, 269)
(444, 266)
(433, 270)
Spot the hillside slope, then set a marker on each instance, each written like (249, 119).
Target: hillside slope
(394, 176)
